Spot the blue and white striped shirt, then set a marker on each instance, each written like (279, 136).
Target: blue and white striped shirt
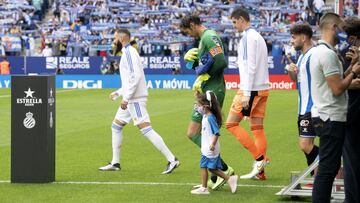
(304, 83)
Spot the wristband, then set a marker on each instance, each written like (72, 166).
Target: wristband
(354, 75)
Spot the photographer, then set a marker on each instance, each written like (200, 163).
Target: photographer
(329, 112)
(351, 150)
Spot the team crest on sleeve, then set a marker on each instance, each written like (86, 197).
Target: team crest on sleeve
(216, 41)
(216, 50)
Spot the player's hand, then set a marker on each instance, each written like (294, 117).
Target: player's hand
(355, 84)
(245, 101)
(124, 104)
(196, 93)
(114, 95)
(352, 54)
(212, 147)
(191, 55)
(293, 67)
(356, 68)
(198, 82)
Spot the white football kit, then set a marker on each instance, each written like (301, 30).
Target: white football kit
(133, 88)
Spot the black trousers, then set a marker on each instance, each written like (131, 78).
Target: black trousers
(351, 158)
(332, 135)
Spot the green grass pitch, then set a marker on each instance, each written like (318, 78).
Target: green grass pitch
(83, 144)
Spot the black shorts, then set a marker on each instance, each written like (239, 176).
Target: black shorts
(305, 126)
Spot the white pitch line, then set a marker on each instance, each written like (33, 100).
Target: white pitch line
(147, 183)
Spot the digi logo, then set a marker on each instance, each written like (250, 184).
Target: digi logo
(86, 84)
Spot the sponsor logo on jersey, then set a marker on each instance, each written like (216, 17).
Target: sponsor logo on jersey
(216, 50)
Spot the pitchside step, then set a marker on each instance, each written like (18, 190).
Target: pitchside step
(295, 190)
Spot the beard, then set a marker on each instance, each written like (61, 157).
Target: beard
(336, 40)
(298, 48)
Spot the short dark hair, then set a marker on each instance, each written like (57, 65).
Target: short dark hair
(352, 26)
(240, 12)
(124, 31)
(185, 22)
(329, 18)
(303, 28)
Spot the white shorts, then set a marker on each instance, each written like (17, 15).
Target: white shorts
(135, 111)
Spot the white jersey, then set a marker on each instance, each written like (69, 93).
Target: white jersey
(253, 62)
(209, 129)
(133, 83)
(304, 83)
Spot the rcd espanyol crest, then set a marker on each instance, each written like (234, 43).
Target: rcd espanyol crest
(29, 121)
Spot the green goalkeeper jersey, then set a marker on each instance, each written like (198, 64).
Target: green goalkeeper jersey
(210, 43)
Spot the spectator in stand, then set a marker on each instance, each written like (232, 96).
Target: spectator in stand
(305, 14)
(2, 49)
(56, 48)
(5, 67)
(318, 5)
(103, 52)
(38, 52)
(312, 20)
(47, 51)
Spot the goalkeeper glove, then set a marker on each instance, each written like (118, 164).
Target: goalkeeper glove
(191, 55)
(199, 81)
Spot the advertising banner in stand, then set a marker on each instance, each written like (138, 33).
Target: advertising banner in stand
(96, 65)
(154, 81)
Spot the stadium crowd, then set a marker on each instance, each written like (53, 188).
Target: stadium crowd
(81, 27)
(19, 22)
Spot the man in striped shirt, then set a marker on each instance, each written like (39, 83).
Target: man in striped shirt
(133, 105)
(251, 98)
(301, 35)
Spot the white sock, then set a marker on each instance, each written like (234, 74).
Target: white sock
(116, 142)
(158, 142)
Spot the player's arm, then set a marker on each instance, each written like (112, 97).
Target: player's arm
(337, 85)
(214, 130)
(134, 64)
(214, 45)
(213, 143)
(251, 64)
(207, 60)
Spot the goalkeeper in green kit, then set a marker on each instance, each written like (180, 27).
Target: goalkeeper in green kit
(209, 62)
